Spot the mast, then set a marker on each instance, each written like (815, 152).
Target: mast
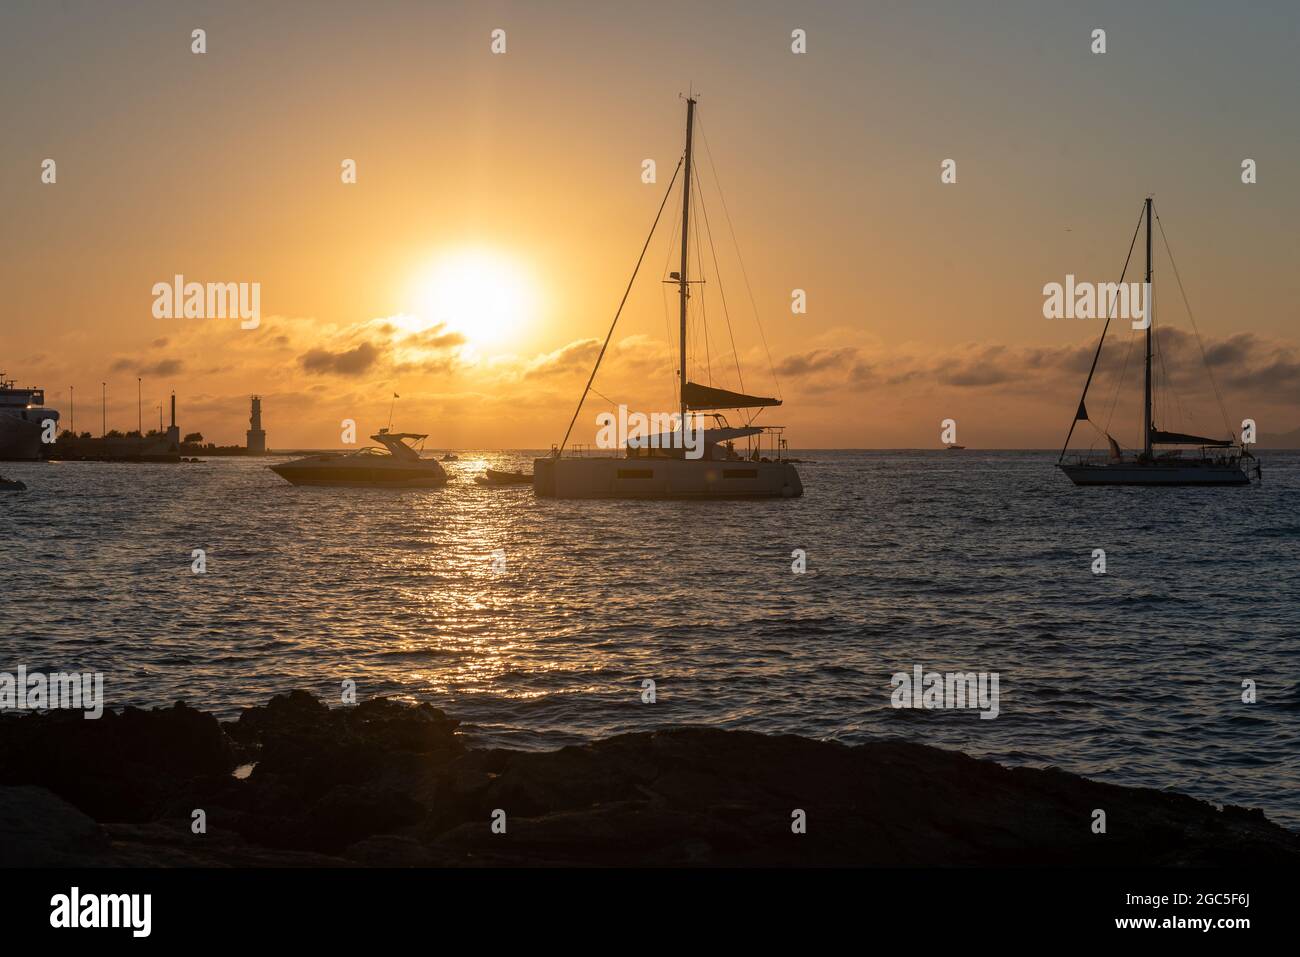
(682, 282)
(1151, 318)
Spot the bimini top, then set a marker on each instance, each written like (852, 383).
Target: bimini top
(394, 442)
(672, 440)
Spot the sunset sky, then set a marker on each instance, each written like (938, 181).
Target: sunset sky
(476, 263)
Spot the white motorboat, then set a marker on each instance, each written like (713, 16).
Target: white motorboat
(397, 464)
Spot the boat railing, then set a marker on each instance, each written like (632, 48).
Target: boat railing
(582, 451)
(1087, 458)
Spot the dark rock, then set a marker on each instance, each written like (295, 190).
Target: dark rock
(384, 783)
(119, 767)
(40, 829)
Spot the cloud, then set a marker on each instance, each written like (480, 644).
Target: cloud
(817, 360)
(1241, 362)
(579, 354)
(349, 362)
(159, 367)
(436, 337)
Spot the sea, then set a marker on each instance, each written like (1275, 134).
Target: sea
(541, 623)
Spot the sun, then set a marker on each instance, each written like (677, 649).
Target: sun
(484, 295)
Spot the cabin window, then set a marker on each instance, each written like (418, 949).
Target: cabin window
(636, 473)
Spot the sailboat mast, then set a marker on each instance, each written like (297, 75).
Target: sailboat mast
(1151, 318)
(686, 222)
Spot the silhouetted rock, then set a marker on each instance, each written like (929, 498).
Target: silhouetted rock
(118, 767)
(40, 829)
(384, 783)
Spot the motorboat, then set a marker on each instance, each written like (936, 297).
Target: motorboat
(498, 479)
(396, 464)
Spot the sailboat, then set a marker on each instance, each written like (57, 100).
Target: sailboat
(1214, 462)
(689, 462)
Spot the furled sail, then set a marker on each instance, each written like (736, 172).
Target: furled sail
(1179, 438)
(698, 396)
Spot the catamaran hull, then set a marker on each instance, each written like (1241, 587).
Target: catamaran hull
(648, 478)
(1162, 475)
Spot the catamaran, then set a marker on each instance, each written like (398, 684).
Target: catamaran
(689, 462)
(1215, 462)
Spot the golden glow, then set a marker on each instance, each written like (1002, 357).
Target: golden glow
(486, 296)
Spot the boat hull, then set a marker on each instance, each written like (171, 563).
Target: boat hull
(361, 477)
(20, 434)
(1161, 475)
(663, 478)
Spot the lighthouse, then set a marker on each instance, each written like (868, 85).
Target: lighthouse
(256, 434)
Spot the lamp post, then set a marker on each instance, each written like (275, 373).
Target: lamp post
(139, 417)
(103, 410)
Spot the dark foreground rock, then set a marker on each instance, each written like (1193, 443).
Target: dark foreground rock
(389, 784)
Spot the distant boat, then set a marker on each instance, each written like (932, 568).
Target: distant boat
(657, 466)
(503, 479)
(11, 485)
(954, 448)
(1205, 467)
(397, 465)
(451, 457)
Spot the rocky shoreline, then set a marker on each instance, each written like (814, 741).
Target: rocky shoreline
(294, 783)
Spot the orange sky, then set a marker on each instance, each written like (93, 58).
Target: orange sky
(924, 299)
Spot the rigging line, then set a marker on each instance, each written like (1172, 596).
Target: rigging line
(1119, 382)
(1097, 355)
(605, 397)
(669, 337)
(1162, 385)
(703, 301)
(1172, 413)
(722, 292)
(1188, 306)
(619, 312)
(739, 258)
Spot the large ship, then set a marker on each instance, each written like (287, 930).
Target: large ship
(22, 420)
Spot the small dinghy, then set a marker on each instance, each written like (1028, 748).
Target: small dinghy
(497, 479)
(13, 485)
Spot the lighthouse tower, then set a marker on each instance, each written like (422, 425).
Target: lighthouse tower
(256, 434)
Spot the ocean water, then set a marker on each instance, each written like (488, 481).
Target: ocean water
(955, 561)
